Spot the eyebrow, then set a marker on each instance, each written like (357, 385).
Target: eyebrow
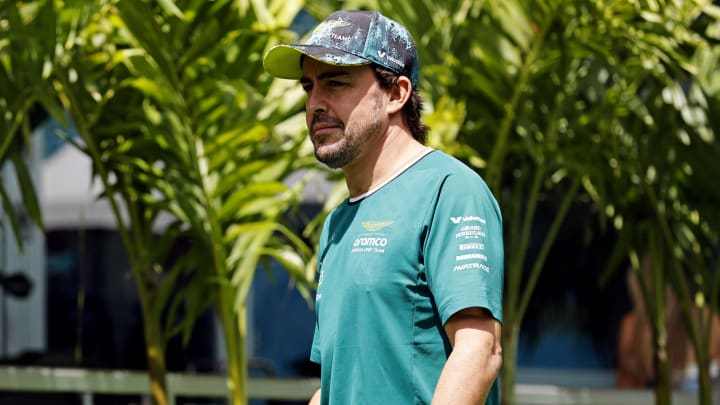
(326, 75)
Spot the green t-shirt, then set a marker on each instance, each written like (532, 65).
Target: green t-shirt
(393, 268)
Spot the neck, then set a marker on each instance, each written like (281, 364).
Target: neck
(381, 160)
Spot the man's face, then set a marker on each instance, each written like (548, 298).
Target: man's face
(345, 108)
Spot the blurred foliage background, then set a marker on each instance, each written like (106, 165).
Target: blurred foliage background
(596, 114)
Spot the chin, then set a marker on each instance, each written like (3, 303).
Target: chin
(332, 160)
(327, 152)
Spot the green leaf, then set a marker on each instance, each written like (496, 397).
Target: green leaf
(139, 20)
(171, 8)
(27, 190)
(11, 216)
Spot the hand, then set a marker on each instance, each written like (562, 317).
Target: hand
(315, 400)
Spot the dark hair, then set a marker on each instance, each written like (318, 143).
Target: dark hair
(412, 108)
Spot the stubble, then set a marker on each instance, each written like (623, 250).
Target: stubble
(355, 134)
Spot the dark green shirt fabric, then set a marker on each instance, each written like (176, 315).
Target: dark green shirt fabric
(393, 268)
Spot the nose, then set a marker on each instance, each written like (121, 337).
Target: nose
(315, 101)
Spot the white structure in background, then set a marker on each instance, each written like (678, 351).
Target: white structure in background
(69, 194)
(22, 320)
(68, 200)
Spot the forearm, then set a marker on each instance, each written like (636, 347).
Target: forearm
(467, 376)
(315, 400)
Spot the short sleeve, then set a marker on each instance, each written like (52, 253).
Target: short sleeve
(315, 348)
(463, 252)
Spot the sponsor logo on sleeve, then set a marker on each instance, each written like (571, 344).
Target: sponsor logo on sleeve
(470, 266)
(457, 220)
(469, 255)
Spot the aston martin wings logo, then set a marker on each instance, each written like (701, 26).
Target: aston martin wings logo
(333, 24)
(375, 225)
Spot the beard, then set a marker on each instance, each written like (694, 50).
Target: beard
(355, 134)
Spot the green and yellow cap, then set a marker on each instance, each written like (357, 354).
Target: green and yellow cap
(349, 38)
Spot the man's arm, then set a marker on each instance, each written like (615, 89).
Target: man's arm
(315, 400)
(475, 360)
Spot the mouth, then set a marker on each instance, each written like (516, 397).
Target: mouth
(323, 124)
(323, 129)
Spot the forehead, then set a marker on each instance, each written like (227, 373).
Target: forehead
(315, 69)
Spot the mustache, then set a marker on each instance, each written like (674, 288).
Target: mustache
(324, 118)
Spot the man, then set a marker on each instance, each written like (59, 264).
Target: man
(411, 264)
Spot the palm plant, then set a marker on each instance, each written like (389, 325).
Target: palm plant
(671, 208)
(548, 97)
(21, 89)
(169, 100)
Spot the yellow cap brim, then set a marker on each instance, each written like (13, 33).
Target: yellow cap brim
(284, 61)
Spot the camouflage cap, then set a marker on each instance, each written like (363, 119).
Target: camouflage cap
(349, 38)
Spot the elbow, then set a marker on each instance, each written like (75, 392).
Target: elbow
(497, 359)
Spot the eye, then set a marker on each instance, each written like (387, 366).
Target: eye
(307, 87)
(335, 83)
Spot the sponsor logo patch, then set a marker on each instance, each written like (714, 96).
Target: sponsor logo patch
(471, 266)
(333, 24)
(373, 226)
(457, 220)
(384, 55)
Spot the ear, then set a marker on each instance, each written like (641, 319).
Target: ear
(399, 95)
